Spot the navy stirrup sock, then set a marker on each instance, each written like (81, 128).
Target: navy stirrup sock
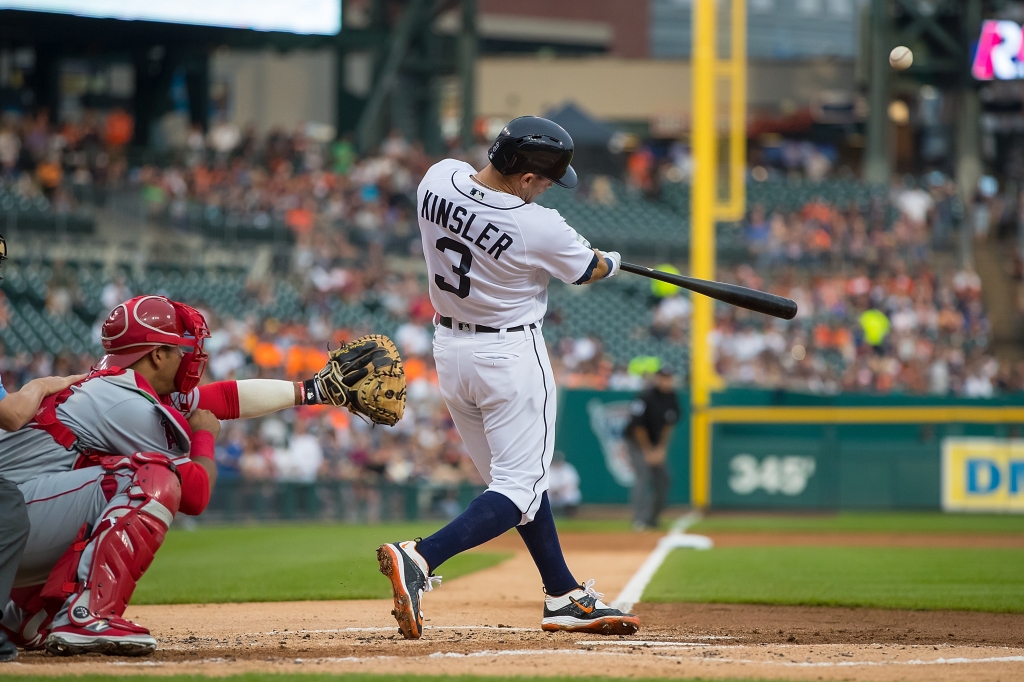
(541, 539)
(487, 517)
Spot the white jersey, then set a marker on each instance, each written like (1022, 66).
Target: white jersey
(489, 255)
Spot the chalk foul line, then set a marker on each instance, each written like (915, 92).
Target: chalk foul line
(677, 538)
(959, 660)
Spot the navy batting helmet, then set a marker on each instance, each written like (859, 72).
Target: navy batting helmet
(530, 144)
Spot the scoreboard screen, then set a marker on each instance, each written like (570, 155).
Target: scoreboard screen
(321, 17)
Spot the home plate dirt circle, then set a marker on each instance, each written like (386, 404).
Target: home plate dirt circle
(489, 623)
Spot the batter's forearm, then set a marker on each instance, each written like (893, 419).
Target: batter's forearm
(16, 409)
(607, 266)
(602, 269)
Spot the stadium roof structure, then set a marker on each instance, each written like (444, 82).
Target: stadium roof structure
(585, 129)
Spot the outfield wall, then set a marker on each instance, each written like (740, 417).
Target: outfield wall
(777, 450)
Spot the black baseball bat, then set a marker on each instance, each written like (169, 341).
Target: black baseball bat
(751, 299)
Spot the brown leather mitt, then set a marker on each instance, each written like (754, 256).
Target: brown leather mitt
(367, 377)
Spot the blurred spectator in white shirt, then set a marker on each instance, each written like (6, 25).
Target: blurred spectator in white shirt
(412, 339)
(115, 292)
(300, 461)
(563, 485)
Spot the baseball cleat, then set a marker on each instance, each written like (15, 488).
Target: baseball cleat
(408, 573)
(31, 629)
(8, 650)
(582, 610)
(112, 636)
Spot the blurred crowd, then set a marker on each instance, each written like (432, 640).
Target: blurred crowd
(880, 312)
(881, 309)
(877, 329)
(907, 225)
(301, 180)
(65, 166)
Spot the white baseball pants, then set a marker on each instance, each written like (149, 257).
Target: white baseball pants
(500, 391)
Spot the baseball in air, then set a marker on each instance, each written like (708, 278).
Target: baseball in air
(901, 58)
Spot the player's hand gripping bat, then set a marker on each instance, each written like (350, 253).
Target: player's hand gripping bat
(751, 299)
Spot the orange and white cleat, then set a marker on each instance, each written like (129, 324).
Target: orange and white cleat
(582, 610)
(408, 573)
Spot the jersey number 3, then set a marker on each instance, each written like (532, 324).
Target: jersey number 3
(462, 269)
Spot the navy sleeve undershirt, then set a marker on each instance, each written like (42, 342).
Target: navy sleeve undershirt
(589, 273)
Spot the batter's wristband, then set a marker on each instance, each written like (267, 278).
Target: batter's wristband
(310, 393)
(613, 268)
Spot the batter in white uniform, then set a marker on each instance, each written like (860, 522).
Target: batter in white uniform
(490, 253)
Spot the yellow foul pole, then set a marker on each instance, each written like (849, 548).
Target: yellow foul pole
(703, 142)
(706, 208)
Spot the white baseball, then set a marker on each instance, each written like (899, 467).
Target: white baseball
(901, 58)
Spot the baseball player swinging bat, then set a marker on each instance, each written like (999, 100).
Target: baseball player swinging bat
(751, 299)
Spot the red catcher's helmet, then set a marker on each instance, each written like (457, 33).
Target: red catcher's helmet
(143, 323)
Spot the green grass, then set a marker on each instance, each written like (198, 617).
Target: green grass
(593, 525)
(282, 563)
(883, 577)
(922, 522)
(354, 677)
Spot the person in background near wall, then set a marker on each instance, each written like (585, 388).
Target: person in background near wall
(648, 435)
(563, 486)
(15, 411)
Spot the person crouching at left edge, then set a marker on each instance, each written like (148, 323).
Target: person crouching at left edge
(15, 410)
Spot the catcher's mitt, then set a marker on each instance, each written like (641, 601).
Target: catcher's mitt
(367, 377)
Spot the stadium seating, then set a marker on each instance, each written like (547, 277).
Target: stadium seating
(617, 312)
(19, 212)
(660, 228)
(631, 224)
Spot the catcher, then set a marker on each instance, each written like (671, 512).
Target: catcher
(106, 464)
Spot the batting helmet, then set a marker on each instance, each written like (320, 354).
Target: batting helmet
(530, 144)
(143, 323)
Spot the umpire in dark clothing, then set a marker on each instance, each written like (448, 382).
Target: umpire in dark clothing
(13, 536)
(14, 412)
(648, 435)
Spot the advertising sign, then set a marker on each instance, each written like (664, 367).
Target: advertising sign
(999, 55)
(983, 474)
(590, 432)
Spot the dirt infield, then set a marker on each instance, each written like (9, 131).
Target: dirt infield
(488, 623)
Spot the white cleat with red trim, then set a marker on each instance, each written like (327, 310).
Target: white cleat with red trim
(89, 634)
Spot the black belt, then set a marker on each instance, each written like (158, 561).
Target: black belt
(447, 322)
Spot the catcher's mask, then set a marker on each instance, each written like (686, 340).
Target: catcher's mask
(143, 323)
(3, 253)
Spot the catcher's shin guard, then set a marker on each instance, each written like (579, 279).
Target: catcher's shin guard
(121, 548)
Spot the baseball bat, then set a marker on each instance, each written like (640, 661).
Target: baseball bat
(751, 299)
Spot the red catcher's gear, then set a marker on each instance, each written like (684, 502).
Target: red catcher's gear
(143, 323)
(124, 541)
